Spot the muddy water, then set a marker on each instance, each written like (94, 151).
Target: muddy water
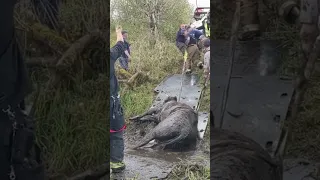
(149, 163)
(167, 156)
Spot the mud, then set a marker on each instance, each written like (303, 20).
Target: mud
(147, 163)
(300, 169)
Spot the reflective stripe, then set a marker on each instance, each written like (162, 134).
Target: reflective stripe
(114, 131)
(206, 29)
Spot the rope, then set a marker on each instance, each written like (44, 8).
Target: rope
(202, 91)
(183, 73)
(234, 30)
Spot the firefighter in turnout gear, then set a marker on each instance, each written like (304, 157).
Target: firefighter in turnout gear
(193, 36)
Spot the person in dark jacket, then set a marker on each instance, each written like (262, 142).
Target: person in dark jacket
(180, 39)
(125, 57)
(17, 136)
(193, 54)
(117, 123)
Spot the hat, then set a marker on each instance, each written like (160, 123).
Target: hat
(124, 32)
(206, 43)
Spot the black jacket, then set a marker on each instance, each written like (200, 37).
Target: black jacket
(115, 52)
(14, 81)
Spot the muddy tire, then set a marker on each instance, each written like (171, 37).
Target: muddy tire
(236, 157)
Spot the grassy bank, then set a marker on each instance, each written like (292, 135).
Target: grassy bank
(72, 126)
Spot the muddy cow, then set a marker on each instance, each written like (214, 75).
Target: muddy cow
(177, 124)
(236, 157)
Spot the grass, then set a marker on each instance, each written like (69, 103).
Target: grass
(72, 125)
(190, 171)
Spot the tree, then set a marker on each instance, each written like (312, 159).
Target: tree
(158, 16)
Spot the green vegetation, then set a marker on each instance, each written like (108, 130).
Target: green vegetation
(154, 53)
(72, 119)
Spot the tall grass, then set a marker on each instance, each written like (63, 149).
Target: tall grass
(72, 121)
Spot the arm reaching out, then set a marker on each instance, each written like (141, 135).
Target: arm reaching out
(117, 50)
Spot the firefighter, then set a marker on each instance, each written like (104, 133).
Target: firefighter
(117, 122)
(193, 54)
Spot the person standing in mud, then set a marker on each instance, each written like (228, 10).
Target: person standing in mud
(117, 122)
(193, 54)
(180, 39)
(125, 58)
(17, 141)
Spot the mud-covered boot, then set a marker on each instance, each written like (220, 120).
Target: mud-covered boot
(249, 20)
(117, 167)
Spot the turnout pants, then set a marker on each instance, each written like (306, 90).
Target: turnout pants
(117, 126)
(193, 55)
(19, 156)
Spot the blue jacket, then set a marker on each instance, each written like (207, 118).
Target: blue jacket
(180, 36)
(115, 52)
(195, 33)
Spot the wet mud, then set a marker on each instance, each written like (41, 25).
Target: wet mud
(151, 163)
